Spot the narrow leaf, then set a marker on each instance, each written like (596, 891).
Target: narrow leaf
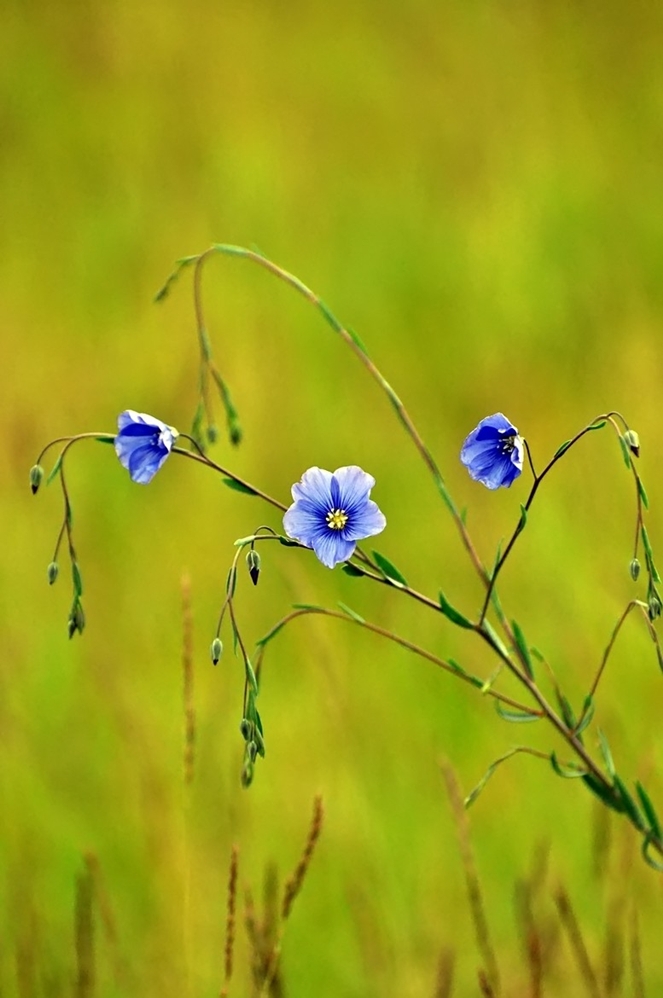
(523, 649)
(461, 672)
(496, 641)
(251, 676)
(648, 858)
(351, 613)
(452, 614)
(629, 804)
(625, 451)
(643, 494)
(570, 771)
(603, 793)
(588, 709)
(649, 810)
(607, 754)
(54, 470)
(78, 581)
(307, 606)
(352, 570)
(388, 569)
(270, 634)
(566, 710)
(515, 716)
(232, 483)
(562, 449)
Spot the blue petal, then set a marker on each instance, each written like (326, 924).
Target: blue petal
(131, 417)
(144, 463)
(499, 422)
(330, 548)
(315, 486)
(352, 486)
(302, 522)
(365, 522)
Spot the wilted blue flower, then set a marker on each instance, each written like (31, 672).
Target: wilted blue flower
(331, 512)
(493, 452)
(143, 444)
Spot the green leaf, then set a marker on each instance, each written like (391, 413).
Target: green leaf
(648, 858)
(461, 672)
(231, 581)
(495, 640)
(561, 449)
(588, 709)
(251, 676)
(357, 341)
(108, 439)
(603, 792)
(537, 654)
(643, 494)
(351, 613)
(566, 710)
(515, 716)
(78, 581)
(571, 771)
(523, 649)
(288, 542)
(649, 809)
(523, 518)
(54, 470)
(352, 570)
(607, 754)
(389, 570)
(625, 451)
(232, 483)
(452, 614)
(472, 796)
(307, 606)
(629, 804)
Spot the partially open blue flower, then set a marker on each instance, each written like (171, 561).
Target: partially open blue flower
(493, 452)
(142, 444)
(331, 512)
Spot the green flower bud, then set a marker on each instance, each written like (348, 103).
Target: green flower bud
(633, 442)
(216, 650)
(212, 433)
(253, 561)
(246, 729)
(251, 751)
(654, 605)
(52, 572)
(76, 620)
(247, 774)
(634, 569)
(36, 475)
(234, 432)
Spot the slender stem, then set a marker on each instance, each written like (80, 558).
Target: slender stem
(355, 345)
(203, 459)
(72, 439)
(530, 499)
(404, 643)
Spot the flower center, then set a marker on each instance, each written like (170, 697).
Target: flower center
(507, 444)
(336, 519)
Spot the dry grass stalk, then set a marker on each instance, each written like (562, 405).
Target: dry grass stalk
(531, 936)
(472, 880)
(230, 921)
(84, 935)
(635, 956)
(445, 973)
(570, 923)
(294, 883)
(108, 921)
(485, 985)
(187, 676)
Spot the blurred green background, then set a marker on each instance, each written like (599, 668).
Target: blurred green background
(475, 187)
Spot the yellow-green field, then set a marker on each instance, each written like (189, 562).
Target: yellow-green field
(475, 188)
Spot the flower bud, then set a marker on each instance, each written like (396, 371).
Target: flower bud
(36, 475)
(246, 728)
(216, 650)
(634, 569)
(234, 431)
(76, 620)
(633, 442)
(253, 561)
(212, 433)
(52, 572)
(247, 774)
(654, 605)
(251, 751)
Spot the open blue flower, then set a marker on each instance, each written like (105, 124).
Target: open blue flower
(493, 452)
(142, 444)
(331, 512)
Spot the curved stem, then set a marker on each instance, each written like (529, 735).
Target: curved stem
(404, 643)
(203, 459)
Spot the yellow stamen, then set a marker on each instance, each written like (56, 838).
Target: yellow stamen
(337, 519)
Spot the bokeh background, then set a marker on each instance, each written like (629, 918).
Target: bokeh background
(475, 187)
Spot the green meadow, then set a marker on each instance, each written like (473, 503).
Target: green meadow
(475, 188)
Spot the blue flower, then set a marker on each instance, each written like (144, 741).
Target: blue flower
(493, 452)
(331, 512)
(143, 444)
